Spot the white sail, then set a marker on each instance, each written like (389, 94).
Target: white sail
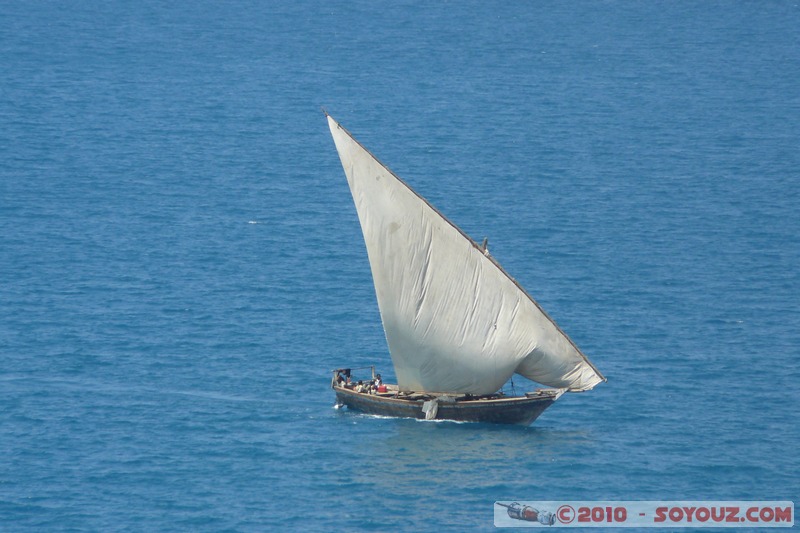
(454, 320)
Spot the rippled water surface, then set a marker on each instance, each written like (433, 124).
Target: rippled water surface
(181, 264)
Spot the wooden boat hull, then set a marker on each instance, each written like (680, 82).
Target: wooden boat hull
(502, 410)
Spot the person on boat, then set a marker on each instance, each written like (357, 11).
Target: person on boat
(339, 379)
(360, 386)
(377, 385)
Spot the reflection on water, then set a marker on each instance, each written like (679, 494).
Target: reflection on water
(418, 452)
(431, 463)
(417, 440)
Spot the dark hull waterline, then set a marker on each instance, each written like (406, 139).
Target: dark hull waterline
(495, 410)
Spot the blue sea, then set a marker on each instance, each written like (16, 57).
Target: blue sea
(181, 264)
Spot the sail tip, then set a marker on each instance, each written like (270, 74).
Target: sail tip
(332, 122)
(333, 125)
(589, 386)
